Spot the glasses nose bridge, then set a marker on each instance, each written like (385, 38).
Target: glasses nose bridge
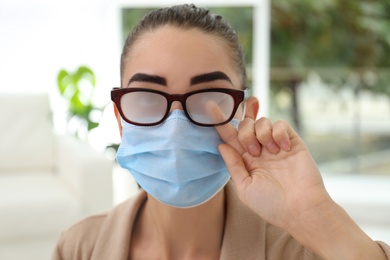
(181, 98)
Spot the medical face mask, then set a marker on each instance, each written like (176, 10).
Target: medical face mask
(176, 162)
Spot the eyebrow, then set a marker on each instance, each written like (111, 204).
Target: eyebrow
(142, 77)
(207, 77)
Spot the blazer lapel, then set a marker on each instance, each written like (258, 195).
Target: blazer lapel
(244, 236)
(114, 238)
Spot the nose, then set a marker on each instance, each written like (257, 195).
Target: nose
(176, 105)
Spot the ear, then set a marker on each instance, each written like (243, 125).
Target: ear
(252, 107)
(118, 118)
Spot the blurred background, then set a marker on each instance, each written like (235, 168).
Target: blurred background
(323, 66)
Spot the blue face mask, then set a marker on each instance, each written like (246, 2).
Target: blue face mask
(176, 162)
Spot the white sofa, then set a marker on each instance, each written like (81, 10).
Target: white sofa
(47, 182)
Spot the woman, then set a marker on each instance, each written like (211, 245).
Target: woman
(216, 182)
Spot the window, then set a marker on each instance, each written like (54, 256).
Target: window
(330, 77)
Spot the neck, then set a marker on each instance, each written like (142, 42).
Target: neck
(183, 233)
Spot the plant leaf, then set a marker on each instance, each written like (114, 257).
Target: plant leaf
(63, 80)
(86, 73)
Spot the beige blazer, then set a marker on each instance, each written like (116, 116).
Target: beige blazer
(247, 236)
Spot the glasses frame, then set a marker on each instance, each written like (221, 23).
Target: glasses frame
(236, 94)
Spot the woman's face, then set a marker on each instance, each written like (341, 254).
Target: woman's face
(177, 61)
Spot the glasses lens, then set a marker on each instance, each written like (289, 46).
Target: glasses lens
(210, 107)
(143, 107)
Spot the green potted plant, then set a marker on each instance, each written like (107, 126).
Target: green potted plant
(77, 89)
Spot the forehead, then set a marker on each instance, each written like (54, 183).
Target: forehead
(170, 50)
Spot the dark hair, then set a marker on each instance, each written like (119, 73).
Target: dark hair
(189, 17)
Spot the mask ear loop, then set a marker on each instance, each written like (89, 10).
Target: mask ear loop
(243, 110)
(246, 94)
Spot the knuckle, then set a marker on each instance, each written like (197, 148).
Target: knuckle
(263, 121)
(263, 129)
(281, 128)
(246, 131)
(245, 137)
(245, 123)
(281, 124)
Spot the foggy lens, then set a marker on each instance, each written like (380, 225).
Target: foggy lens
(143, 107)
(210, 107)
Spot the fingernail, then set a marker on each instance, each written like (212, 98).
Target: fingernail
(273, 147)
(254, 150)
(285, 146)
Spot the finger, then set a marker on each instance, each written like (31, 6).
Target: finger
(282, 134)
(229, 135)
(227, 132)
(251, 108)
(247, 137)
(264, 129)
(234, 164)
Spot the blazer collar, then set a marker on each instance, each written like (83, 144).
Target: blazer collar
(242, 228)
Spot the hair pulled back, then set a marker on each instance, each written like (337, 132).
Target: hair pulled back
(189, 17)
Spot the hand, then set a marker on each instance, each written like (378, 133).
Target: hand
(275, 175)
(272, 169)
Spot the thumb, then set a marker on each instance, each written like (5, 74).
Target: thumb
(234, 164)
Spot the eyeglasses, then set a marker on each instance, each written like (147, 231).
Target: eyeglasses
(148, 107)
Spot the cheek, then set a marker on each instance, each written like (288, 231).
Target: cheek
(118, 119)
